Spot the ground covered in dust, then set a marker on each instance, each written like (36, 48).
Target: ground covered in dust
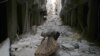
(4, 48)
(68, 41)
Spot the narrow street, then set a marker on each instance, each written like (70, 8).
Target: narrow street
(69, 41)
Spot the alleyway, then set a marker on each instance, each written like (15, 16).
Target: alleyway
(69, 42)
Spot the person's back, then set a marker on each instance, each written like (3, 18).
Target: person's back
(48, 46)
